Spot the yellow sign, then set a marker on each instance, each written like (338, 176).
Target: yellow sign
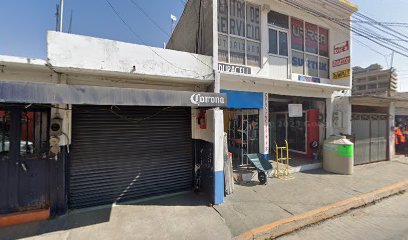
(341, 74)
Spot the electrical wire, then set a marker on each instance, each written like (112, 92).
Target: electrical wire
(359, 32)
(161, 29)
(142, 41)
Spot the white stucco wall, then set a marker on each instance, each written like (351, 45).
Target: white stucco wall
(95, 54)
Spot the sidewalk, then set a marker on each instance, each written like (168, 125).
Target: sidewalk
(254, 206)
(187, 217)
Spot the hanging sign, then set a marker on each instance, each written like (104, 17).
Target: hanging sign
(341, 61)
(341, 47)
(304, 78)
(295, 110)
(341, 74)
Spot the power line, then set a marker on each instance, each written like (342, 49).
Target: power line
(160, 28)
(142, 41)
(360, 32)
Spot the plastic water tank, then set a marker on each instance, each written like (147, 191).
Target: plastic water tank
(338, 155)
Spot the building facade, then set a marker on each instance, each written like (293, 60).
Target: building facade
(285, 67)
(102, 122)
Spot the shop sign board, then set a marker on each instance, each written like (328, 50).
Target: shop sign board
(341, 61)
(308, 79)
(341, 74)
(233, 68)
(341, 47)
(295, 110)
(208, 99)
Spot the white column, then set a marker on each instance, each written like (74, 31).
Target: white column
(264, 127)
(391, 125)
(218, 156)
(338, 114)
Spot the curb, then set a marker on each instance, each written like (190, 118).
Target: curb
(291, 224)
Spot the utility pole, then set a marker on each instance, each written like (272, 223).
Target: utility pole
(57, 19)
(61, 14)
(173, 22)
(70, 22)
(392, 58)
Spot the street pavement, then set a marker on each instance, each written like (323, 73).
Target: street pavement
(253, 206)
(387, 219)
(188, 216)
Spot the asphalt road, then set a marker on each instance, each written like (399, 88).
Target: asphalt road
(387, 219)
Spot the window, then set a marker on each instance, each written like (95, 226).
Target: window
(239, 32)
(278, 34)
(310, 49)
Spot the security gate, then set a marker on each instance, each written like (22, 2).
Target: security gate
(370, 137)
(126, 153)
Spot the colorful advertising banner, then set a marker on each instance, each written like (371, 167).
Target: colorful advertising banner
(312, 38)
(297, 34)
(341, 74)
(323, 42)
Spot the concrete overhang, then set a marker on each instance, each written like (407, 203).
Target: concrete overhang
(231, 77)
(52, 93)
(379, 100)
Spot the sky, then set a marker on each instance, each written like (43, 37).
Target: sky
(25, 23)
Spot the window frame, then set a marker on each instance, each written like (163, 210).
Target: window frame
(305, 52)
(278, 30)
(246, 39)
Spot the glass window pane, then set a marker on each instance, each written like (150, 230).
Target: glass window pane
(311, 68)
(324, 68)
(237, 50)
(273, 41)
(297, 62)
(253, 53)
(222, 48)
(253, 22)
(323, 42)
(312, 39)
(223, 16)
(297, 34)
(278, 19)
(283, 44)
(237, 17)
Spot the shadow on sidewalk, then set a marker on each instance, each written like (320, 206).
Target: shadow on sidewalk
(92, 216)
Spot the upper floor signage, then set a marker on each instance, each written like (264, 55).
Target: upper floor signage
(341, 47)
(233, 68)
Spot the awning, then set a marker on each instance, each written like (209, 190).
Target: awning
(49, 93)
(244, 100)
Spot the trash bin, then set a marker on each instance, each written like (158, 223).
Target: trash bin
(338, 155)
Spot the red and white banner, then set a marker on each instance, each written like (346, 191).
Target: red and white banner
(341, 61)
(341, 47)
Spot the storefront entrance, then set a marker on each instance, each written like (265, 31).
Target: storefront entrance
(243, 133)
(303, 131)
(24, 162)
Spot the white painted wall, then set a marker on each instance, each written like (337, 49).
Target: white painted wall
(338, 102)
(95, 54)
(203, 134)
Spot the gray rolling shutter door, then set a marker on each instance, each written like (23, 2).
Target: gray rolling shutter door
(136, 153)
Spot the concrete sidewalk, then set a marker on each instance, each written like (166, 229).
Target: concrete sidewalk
(187, 216)
(252, 206)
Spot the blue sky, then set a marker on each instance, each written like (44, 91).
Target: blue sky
(24, 25)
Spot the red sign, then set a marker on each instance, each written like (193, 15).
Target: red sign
(341, 47)
(323, 42)
(341, 61)
(297, 34)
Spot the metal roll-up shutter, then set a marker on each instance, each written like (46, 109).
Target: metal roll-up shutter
(125, 153)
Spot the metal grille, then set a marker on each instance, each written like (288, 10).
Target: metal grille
(127, 153)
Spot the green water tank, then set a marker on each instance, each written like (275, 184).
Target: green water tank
(338, 155)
